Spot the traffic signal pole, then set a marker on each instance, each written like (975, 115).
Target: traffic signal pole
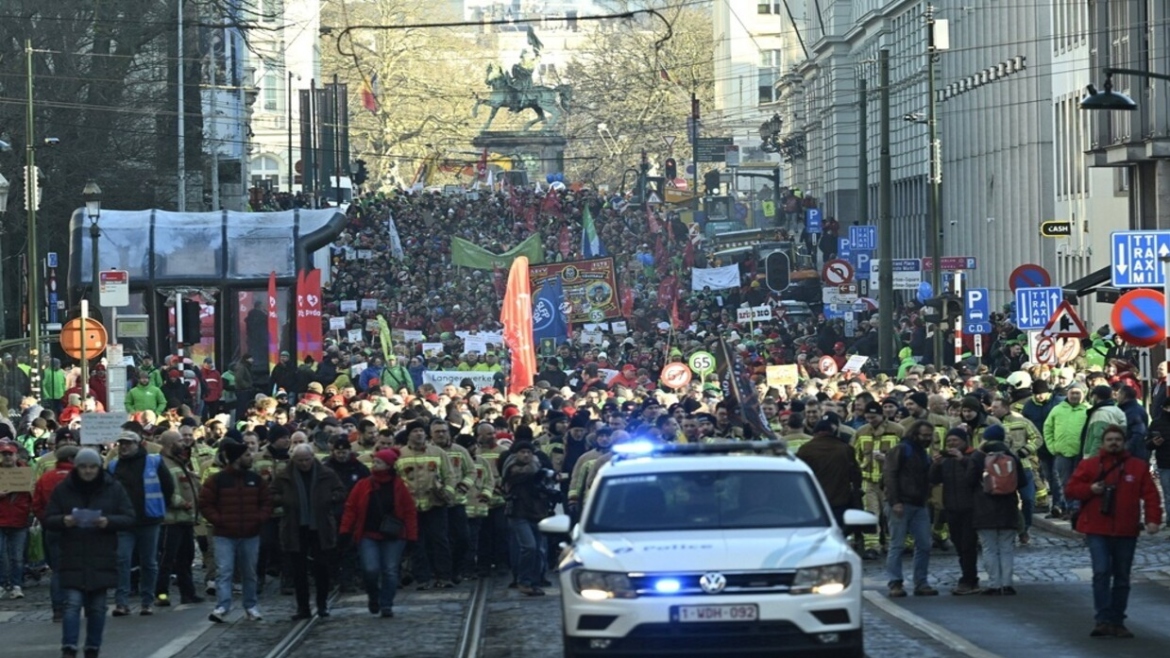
(695, 145)
(886, 302)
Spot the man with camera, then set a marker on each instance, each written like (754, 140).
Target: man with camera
(1111, 487)
(531, 492)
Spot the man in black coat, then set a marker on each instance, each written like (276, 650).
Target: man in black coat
(88, 544)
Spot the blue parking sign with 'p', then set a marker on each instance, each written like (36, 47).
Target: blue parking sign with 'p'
(977, 306)
(812, 220)
(860, 260)
(844, 249)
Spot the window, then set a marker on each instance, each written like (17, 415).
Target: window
(770, 66)
(707, 500)
(272, 86)
(773, 7)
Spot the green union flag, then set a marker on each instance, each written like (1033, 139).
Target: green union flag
(465, 253)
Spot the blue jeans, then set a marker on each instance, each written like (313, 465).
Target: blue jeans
(914, 521)
(12, 545)
(94, 603)
(1028, 497)
(1062, 469)
(143, 540)
(1112, 559)
(1164, 478)
(380, 562)
(231, 552)
(529, 563)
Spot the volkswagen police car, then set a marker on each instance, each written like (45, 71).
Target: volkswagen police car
(686, 550)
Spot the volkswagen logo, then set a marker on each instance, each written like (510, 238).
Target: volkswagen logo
(713, 583)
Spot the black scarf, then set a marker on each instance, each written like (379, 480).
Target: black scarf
(306, 483)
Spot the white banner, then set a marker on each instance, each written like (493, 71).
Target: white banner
(715, 278)
(440, 378)
(474, 344)
(395, 241)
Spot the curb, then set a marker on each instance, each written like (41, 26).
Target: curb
(1056, 527)
(936, 632)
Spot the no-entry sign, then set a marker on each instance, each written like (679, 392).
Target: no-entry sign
(1138, 317)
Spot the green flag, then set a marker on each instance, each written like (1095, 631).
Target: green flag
(468, 254)
(385, 338)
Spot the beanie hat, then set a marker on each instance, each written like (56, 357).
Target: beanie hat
(920, 398)
(389, 456)
(315, 387)
(1040, 386)
(1102, 392)
(960, 433)
(523, 445)
(580, 419)
(87, 457)
(416, 424)
(993, 433)
(971, 402)
(823, 426)
(873, 408)
(233, 451)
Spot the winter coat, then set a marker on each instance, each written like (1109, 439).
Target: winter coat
(130, 473)
(994, 511)
(1037, 411)
(212, 385)
(53, 384)
(907, 475)
(353, 521)
(186, 492)
(236, 503)
(1062, 429)
(1100, 416)
(953, 474)
(1134, 485)
(835, 467)
(16, 507)
(521, 484)
(327, 492)
(1137, 426)
(1160, 427)
(349, 471)
(145, 398)
(88, 558)
(45, 485)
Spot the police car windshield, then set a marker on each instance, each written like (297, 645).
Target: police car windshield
(706, 500)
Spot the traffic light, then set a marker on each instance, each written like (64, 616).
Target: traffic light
(671, 168)
(360, 173)
(944, 307)
(711, 182)
(776, 269)
(192, 323)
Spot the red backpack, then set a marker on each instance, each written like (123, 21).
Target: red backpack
(999, 474)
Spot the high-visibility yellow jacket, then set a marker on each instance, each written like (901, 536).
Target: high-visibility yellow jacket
(428, 475)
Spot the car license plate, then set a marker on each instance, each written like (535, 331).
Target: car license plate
(702, 613)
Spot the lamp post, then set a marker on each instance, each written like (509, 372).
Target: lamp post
(4, 188)
(32, 200)
(92, 195)
(1108, 100)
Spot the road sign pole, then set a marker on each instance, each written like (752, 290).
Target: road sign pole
(84, 360)
(1166, 293)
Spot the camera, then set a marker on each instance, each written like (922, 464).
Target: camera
(548, 485)
(1108, 498)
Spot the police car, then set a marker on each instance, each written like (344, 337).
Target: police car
(687, 550)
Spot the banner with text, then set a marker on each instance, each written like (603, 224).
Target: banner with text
(590, 288)
(440, 378)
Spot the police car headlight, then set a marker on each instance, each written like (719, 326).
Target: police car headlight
(828, 579)
(601, 585)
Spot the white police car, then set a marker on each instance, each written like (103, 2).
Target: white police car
(693, 550)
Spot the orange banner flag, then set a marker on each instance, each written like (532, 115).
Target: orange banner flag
(516, 317)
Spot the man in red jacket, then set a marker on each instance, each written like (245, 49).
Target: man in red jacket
(237, 503)
(15, 509)
(212, 388)
(1111, 488)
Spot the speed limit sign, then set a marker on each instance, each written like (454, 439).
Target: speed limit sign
(702, 363)
(675, 375)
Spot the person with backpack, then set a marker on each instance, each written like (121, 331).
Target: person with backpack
(995, 476)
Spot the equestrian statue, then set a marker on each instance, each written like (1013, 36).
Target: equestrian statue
(516, 92)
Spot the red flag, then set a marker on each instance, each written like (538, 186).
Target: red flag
(530, 219)
(675, 320)
(516, 317)
(315, 339)
(565, 244)
(302, 323)
(273, 324)
(370, 93)
(627, 302)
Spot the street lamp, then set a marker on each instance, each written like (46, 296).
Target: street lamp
(92, 195)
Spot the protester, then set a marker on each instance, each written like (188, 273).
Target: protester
(380, 516)
(951, 469)
(237, 503)
(309, 492)
(1116, 491)
(46, 484)
(15, 511)
(88, 509)
(177, 539)
(996, 476)
(528, 503)
(907, 485)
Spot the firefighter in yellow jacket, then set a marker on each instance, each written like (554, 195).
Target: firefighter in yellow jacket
(872, 441)
(493, 532)
(463, 472)
(602, 441)
(427, 472)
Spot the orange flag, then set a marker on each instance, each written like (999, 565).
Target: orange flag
(516, 317)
